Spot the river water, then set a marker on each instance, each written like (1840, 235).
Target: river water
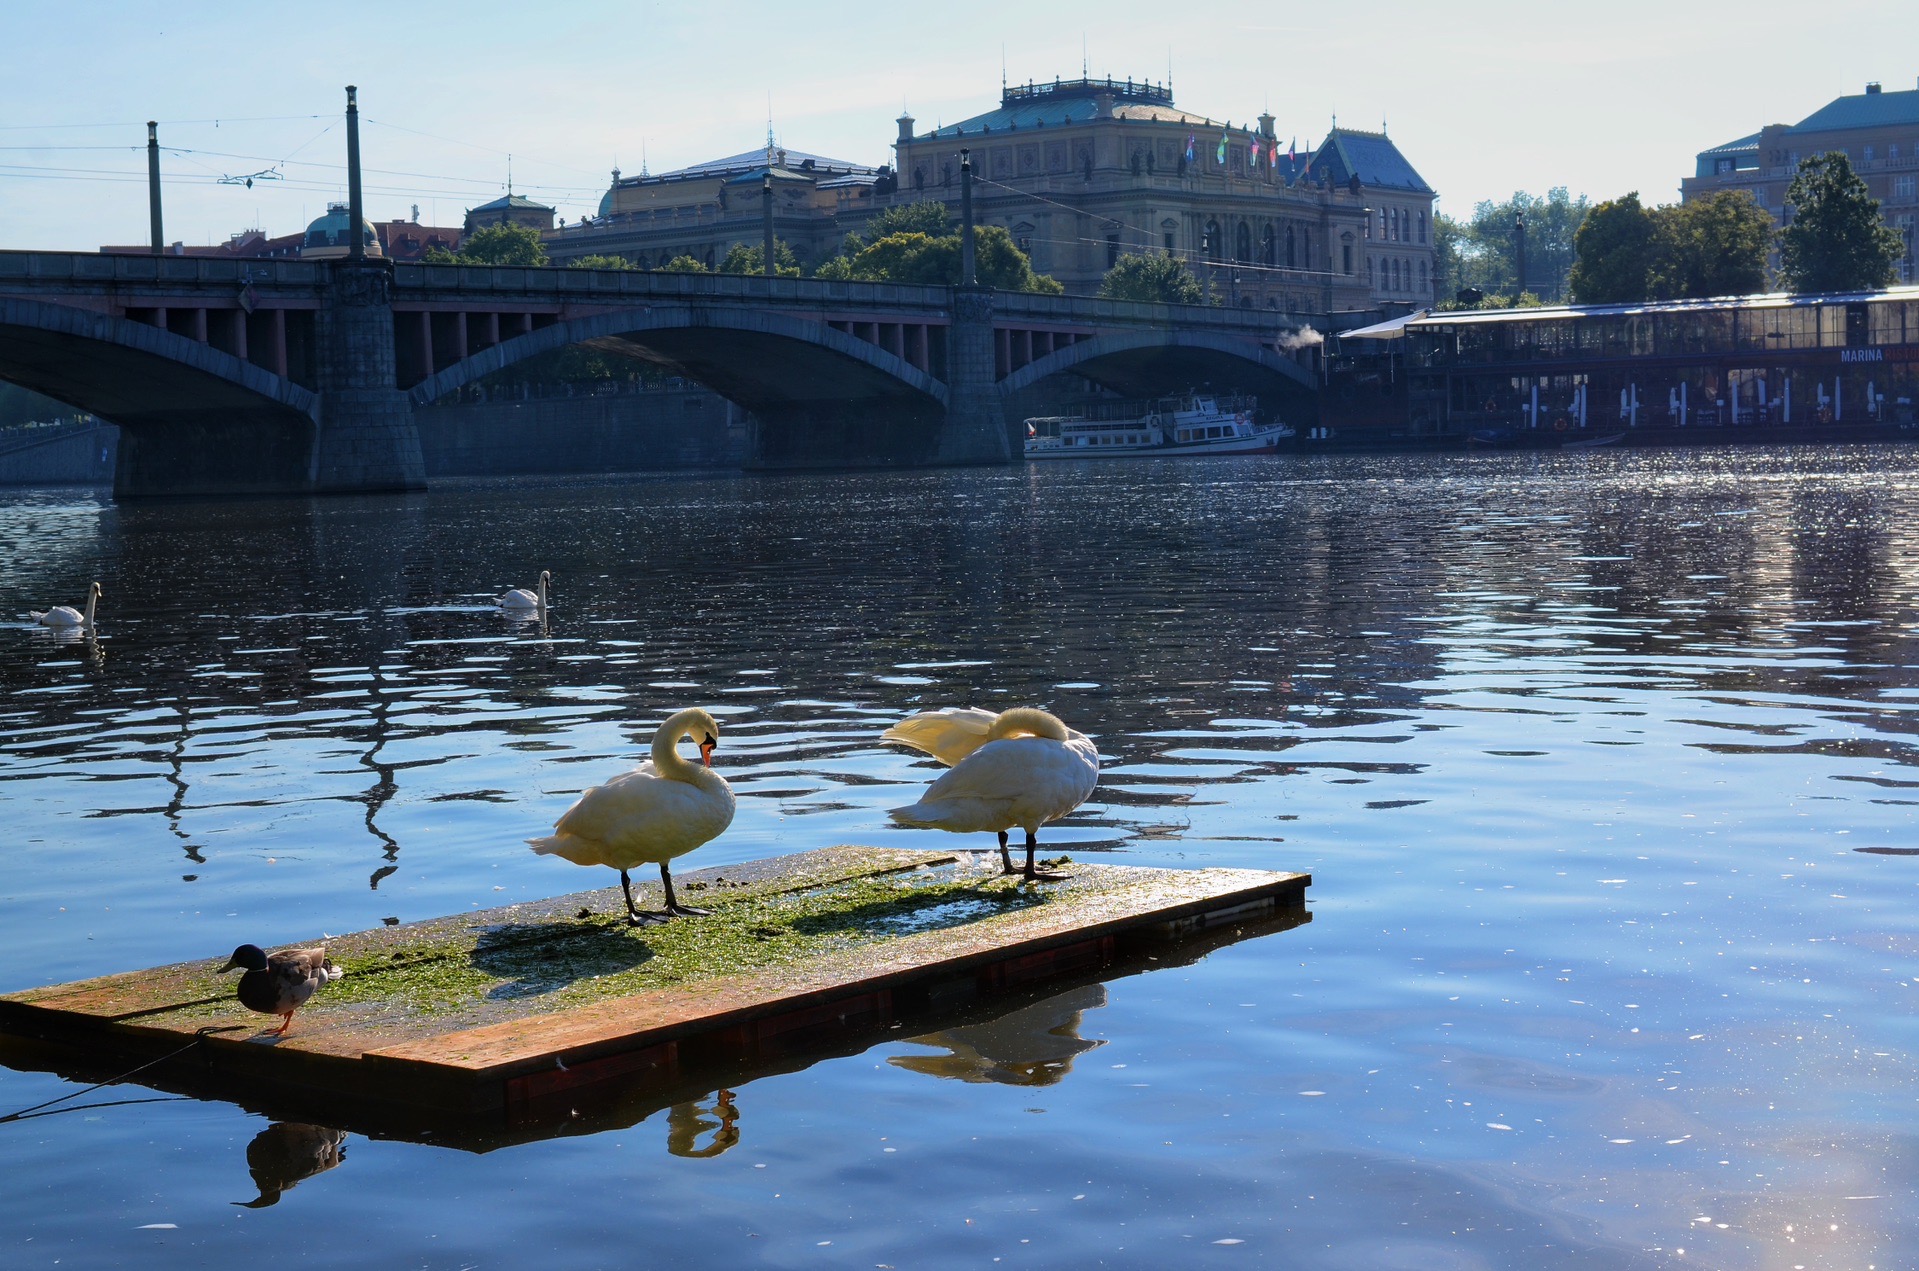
(1603, 765)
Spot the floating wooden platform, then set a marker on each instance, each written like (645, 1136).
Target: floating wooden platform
(498, 1018)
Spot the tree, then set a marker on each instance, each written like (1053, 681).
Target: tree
(1154, 278)
(1484, 252)
(1614, 253)
(1714, 246)
(601, 262)
(927, 216)
(684, 264)
(1835, 240)
(494, 245)
(742, 259)
(922, 258)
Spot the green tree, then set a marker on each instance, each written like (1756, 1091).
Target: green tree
(494, 245)
(684, 264)
(1714, 246)
(1450, 239)
(1155, 278)
(1835, 240)
(927, 216)
(601, 262)
(921, 258)
(1484, 252)
(1614, 251)
(742, 259)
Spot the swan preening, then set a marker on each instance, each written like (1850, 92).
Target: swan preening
(664, 808)
(67, 615)
(280, 984)
(521, 599)
(1021, 767)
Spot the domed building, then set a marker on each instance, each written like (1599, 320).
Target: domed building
(328, 238)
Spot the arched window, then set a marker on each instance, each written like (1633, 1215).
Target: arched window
(1393, 275)
(1423, 283)
(1369, 271)
(1211, 244)
(1292, 260)
(1422, 227)
(1243, 243)
(1392, 225)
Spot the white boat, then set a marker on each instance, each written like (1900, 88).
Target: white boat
(1192, 424)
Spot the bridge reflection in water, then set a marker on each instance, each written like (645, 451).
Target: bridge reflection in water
(301, 376)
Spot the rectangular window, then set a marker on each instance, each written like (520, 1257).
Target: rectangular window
(1169, 242)
(1112, 250)
(1903, 187)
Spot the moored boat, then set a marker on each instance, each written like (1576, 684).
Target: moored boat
(1190, 424)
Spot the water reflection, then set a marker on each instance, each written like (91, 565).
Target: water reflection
(287, 1153)
(686, 1122)
(1032, 1046)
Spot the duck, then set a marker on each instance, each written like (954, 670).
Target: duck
(1021, 767)
(67, 615)
(521, 598)
(664, 808)
(280, 983)
(289, 1152)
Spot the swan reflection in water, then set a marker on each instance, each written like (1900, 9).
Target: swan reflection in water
(288, 1152)
(1032, 1046)
(686, 1122)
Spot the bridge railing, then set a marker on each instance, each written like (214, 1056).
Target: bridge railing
(640, 285)
(1136, 313)
(84, 269)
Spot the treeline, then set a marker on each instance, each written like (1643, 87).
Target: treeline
(1621, 251)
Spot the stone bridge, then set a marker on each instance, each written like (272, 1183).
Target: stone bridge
(232, 376)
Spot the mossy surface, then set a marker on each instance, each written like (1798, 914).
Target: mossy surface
(570, 961)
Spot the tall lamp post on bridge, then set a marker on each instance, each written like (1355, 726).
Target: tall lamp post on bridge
(153, 187)
(356, 249)
(766, 215)
(969, 263)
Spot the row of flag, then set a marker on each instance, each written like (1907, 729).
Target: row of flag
(1255, 145)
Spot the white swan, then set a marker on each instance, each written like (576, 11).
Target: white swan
(1021, 767)
(67, 615)
(521, 598)
(664, 808)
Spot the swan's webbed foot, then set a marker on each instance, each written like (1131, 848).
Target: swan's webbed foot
(1033, 873)
(688, 911)
(647, 917)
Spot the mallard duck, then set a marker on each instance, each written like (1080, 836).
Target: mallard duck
(1021, 767)
(664, 808)
(281, 983)
(67, 615)
(288, 1152)
(519, 598)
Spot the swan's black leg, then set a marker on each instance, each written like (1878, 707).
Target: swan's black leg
(673, 906)
(1005, 857)
(1032, 870)
(632, 910)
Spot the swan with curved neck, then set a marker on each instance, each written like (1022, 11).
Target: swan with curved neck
(664, 808)
(521, 599)
(1022, 767)
(67, 615)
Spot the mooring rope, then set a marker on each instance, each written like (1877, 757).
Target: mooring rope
(199, 1036)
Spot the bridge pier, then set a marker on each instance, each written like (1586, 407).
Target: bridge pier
(367, 440)
(975, 430)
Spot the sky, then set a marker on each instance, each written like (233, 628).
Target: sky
(1484, 97)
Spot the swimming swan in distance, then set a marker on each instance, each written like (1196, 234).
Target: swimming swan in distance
(664, 808)
(282, 983)
(1021, 767)
(67, 615)
(521, 598)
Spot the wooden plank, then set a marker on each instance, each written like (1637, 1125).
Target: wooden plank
(890, 932)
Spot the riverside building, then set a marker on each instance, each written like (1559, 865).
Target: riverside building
(1079, 172)
(1877, 131)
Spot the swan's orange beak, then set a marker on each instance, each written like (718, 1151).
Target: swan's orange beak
(706, 750)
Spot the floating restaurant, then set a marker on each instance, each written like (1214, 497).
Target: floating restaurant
(1774, 362)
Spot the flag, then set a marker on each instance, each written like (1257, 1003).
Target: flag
(1254, 150)
(1191, 142)
(1292, 150)
(1220, 154)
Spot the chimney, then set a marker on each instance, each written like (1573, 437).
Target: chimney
(1872, 88)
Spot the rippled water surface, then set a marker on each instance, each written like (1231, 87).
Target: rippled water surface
(1602, 765)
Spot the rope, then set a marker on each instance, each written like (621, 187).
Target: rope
(198, 1037)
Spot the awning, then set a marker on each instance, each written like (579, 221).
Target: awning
(1391, 329)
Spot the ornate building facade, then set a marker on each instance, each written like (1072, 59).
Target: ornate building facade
(1079, 172)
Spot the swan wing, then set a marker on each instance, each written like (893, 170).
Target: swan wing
(58, 616)
(639, 817)
(948, 735)
(1024, 781)
(518, 598)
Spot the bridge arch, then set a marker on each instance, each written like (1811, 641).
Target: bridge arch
(766, 361)
(135, 374)
(1149, 362)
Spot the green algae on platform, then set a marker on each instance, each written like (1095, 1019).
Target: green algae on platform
(567, 962)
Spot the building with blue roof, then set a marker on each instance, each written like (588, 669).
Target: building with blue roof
(1877, 131)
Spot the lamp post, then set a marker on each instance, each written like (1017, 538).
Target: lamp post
(969, 270)
(766, 216)
(153, 188)
(356, 245)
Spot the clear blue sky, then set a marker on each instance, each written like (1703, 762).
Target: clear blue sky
(1483, 98)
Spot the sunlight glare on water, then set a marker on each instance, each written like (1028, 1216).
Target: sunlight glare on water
(1602, 765)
